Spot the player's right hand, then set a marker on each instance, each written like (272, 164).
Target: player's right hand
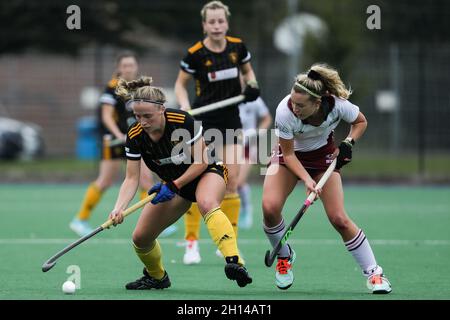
(116, 216)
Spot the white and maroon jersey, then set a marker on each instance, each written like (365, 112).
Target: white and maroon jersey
(307, 137)
(250, 113)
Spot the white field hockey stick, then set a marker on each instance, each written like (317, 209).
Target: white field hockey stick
(50, 263)
(270, 256)
(109, 142)
(217, 105)
(197, 111)
(116, 142)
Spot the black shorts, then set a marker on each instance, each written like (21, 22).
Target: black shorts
(234, 132)
(223, 118)
(112, 153)
(188, 191)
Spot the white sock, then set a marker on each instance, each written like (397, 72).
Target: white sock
(360, 249)
(245, 193)
(274, 235)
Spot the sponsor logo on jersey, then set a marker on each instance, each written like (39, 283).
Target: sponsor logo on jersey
(223, 74)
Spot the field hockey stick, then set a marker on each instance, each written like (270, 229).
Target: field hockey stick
(50, 263)
(116, 142)
(217, 105)
(195, 112)
(270, 256)
(109, 142)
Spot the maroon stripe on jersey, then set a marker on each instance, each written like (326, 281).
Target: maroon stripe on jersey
(289, 104)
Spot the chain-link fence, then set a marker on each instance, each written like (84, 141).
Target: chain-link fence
(401, 87)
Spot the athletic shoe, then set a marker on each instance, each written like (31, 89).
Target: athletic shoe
(284, 277)
(235, 271)
(80, 227)
(192, 254)
(168, 231)
(147, 282)
(379, 284)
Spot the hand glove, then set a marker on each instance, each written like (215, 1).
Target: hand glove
(251, 91)
(166, 191)
(345, 153)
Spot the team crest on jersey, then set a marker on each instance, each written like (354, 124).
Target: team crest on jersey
(233, 57)
(208, 63)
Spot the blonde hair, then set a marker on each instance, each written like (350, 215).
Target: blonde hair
(140, 89)
(214, 5)
(320, 80)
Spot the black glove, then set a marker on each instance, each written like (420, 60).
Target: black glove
(345, 153)
(251, 91)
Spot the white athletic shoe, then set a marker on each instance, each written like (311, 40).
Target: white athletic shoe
(379, 284)
(168, 231)
(192, 254)
(80, 227)
(284, 277)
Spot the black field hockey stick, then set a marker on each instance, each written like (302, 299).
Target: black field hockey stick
(50, 263)
(270, 256)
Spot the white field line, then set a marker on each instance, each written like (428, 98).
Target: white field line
(248, 241)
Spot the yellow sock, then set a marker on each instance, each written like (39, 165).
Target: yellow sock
(192, 220)
(91, 198)
(151, 258)
(222, 233)
(143, 194)
(231, 205)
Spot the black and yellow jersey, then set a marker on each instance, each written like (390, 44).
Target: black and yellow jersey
(161, 157)
(123, 117)
(217, 78)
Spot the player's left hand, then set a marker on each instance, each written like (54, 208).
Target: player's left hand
(345, 154)
(166, 191)
(251, 91)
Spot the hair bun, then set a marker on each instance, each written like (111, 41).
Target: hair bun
(314, 75)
